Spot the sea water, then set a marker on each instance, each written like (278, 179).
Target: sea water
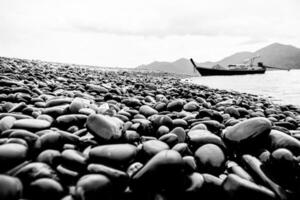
(283, 87)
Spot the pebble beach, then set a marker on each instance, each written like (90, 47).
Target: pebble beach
(74, 132)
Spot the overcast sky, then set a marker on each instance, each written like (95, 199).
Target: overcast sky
(128, 33)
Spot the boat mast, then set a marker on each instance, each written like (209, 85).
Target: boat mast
(252, 60)
(194, 65)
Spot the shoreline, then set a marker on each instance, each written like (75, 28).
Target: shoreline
(283, 94)
(267, 97)
(88, 132)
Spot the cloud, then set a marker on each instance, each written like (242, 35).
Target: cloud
(255, 40)
(180, 27)
(131, 32)
(180, 18)
(157, 18)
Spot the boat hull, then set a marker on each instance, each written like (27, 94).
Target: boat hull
(224, 72)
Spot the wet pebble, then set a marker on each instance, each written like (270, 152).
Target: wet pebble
(210, 159)
(77, 104)
(93, 186)
(31, 124)
(104, 127)
(11, 154)
(147, 111)
(199, 137)
(11, 188)
(175, 105)
(45, 188)
(6, 123)
(113, 154)
(66, 121)
(35, 170)
(72, 132)
(162, 130)
(180, 133)
(248, 135)
(278, 139)
(152, 147)
(191, 106)
(57, 102)
(50, 157)
(73, 159)
(159, 172)
(237, 188)
(120, 179)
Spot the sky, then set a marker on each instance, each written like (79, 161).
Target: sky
(128, 33)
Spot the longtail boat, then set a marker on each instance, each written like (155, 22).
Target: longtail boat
(230, 70)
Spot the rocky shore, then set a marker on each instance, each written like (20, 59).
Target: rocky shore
(72, 132)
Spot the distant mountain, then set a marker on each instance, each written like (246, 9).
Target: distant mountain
(276, 55)
(233, 59)
(279, 55)
(180, 66)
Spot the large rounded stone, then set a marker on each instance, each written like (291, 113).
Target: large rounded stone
(11, 154)
(160, 106)
(93, 187)
(147, 111)
(196, 182)
(11, 188)
(232, 111)
(162, 130)
(73, 160)
(55, 111)
(119, 178)
(282, 167)
(96, 88)
(205, 113)
(131, 102)
(210, 158)
(34, 171)
(278, 139)
(31, 124)
(239, 188)
(183, 149)
(6, 123)
(248, 135)
(159, 172)
(50, 140)
(17, 116)
(57, 102)
(180, 123)
(198, 137)
(104, 127)
(49, 156)
(77, 104)
(175, 105)
(171, 139)
(45, 188)
(179, 131)
(113, 154)
(28, 136)
(213, 125)
(191, 106)
(65, 121)
(152, 147)
(162, 120)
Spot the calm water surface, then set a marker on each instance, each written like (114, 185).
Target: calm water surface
(282, 86)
